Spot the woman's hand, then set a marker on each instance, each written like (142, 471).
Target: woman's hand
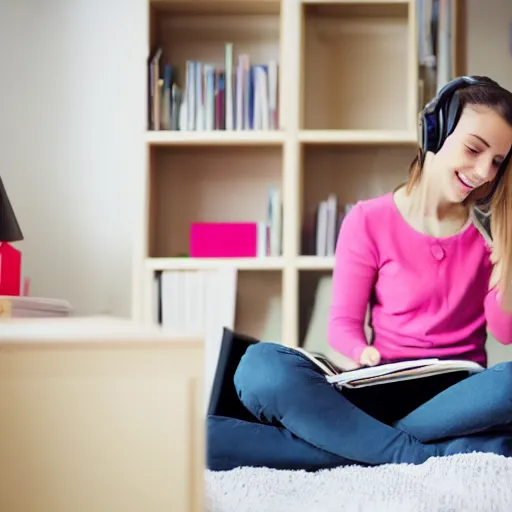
(370, 357)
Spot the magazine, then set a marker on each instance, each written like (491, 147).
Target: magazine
(390, 372)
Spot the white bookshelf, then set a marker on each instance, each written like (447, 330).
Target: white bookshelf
(348, 102)
(214, 138)
(266, 263)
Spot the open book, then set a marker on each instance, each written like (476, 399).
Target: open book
(387, 373)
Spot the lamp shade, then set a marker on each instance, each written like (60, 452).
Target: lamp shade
(9, 228)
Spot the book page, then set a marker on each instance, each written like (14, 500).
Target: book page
(376, 371)
(437, 368)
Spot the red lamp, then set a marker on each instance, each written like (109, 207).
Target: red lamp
(10, 258)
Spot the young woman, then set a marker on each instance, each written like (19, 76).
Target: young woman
(434, 284)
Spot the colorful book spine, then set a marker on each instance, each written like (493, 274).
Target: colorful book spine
(236, 95)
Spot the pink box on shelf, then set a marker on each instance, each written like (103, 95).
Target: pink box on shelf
(224, 240)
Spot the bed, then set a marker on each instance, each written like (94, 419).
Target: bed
(472, 482)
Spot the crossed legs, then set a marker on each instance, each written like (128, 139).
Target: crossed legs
(306, 423)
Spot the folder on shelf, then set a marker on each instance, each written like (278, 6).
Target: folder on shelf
(224, 239)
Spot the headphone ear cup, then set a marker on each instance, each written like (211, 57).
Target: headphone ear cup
(440, 116)
(452, 116)
(430, 131)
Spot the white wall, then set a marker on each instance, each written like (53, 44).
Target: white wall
(71, 148)
(488, 53)
(488, 46)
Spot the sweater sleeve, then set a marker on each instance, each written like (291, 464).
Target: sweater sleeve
(499, 322)
(354, 274)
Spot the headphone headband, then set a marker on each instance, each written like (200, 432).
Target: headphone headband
(441, 114)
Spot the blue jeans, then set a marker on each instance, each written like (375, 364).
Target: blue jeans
(302, 422)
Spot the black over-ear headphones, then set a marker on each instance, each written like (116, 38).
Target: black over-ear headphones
(440, 116)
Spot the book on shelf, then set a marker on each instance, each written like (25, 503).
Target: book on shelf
(240, 239)
(238, 95)
(184, 300)
(389, 372)
(321, 227)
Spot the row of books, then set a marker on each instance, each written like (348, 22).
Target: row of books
(238, 96)
(321, 227)
(240, 239)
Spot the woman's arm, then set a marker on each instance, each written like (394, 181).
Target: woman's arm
(355, 270)
(499, 321)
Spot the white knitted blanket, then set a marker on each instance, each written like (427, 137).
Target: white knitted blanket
(466, 483)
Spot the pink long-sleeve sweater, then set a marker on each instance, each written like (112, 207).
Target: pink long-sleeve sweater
(429, 296)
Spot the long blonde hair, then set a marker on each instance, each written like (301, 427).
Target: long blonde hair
(501, 230)
(500, 204)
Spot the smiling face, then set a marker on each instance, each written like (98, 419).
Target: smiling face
(471, 156)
